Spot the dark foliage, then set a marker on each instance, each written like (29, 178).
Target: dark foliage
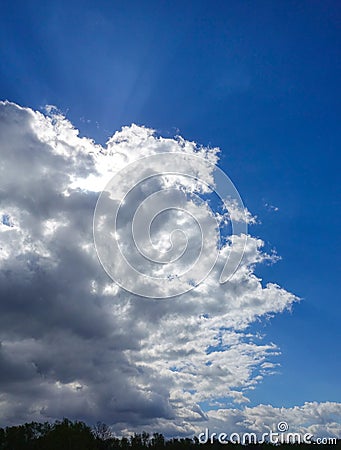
(68, 435)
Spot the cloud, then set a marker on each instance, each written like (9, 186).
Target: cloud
(75, 344)
(318, 419)
(270, 207)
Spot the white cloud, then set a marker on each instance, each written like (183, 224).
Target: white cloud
(318, 419)
(73, 343)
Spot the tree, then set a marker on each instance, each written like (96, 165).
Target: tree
(69, 435)
(158, 441)
(102, 431)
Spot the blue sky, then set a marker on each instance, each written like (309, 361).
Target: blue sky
(260, 80)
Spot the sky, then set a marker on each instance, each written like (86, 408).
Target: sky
(259, 81)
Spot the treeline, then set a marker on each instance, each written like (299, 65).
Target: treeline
(69, 435)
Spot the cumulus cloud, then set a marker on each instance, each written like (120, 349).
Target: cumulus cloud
(317, 419)
(75, 344)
